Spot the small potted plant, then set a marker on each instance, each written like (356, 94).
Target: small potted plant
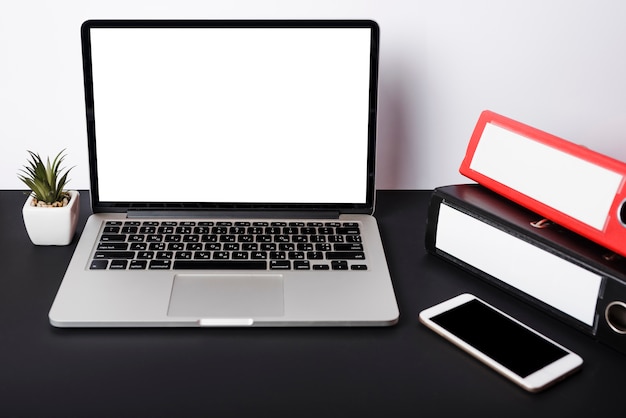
(50, 212)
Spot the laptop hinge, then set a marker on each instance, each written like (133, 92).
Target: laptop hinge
(331, 214)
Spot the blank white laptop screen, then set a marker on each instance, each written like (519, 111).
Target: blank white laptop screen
(231, 115)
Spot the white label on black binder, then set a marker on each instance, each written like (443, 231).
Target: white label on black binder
(571, 185)
(529, 269)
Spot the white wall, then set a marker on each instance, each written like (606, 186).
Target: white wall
(559, 65)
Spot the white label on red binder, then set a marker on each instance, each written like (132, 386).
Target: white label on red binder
(571, 185)
(529, 269)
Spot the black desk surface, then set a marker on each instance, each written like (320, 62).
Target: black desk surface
(404, 370)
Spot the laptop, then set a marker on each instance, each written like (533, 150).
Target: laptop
(232, 177)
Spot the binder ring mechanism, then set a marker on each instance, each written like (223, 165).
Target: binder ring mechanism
(615, 314)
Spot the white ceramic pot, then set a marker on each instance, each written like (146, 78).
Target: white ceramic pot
(52, 226)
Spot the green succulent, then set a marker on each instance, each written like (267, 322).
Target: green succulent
(47, 181)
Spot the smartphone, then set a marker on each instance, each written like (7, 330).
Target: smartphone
(506, 345)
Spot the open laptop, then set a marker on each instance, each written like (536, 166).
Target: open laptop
(232, 177)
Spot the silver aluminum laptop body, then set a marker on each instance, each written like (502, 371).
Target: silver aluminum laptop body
(222, 126)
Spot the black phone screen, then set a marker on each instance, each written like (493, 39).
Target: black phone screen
(505, 341)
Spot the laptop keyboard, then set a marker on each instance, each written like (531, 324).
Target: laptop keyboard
(229, 245)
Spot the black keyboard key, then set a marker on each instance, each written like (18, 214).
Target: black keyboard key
(345, 255)
(348, 231)
(220, 265)
(209, 238)
(339, 265)
(160, 264)
(282, 238)
(145, 255)
(111, 246)
(172, 238)
(349, 247)
(99, 264)
(272, 230)
(296, 255)
(228, 238)
(301, 265)
(184, 255)
(138, 265)
(280, 265)
(107, 255)
(113, 237)
(321, 267)
(278, 255)
(118, 264)
(358, 267)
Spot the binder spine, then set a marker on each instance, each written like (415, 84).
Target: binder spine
(600, 289)
(581, 189)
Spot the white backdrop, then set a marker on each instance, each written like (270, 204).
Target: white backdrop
(558, 65)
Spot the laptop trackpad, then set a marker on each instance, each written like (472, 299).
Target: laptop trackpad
(226, 295)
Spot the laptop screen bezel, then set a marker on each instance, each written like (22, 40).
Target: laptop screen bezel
(99, 206)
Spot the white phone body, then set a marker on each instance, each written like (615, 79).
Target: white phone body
(513, 349)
